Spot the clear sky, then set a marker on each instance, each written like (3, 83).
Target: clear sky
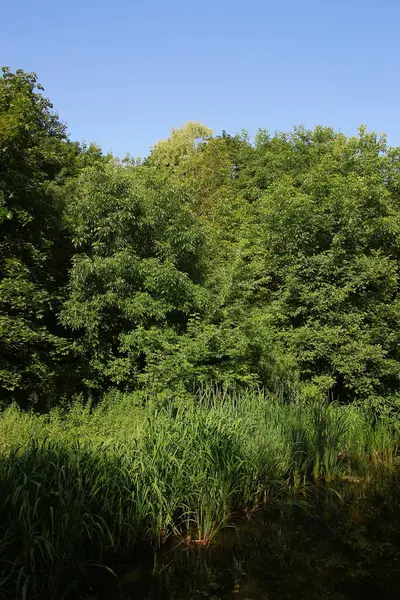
(122, 72)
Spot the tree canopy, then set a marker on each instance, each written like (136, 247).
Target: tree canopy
(272, 262)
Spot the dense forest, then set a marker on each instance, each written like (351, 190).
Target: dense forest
(272, 263)
(238, 296)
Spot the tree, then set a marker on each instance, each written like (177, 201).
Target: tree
(137, 266)
(180, 146)
(36, 162)
(326, 229)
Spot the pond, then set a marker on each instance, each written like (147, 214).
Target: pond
(337, 544)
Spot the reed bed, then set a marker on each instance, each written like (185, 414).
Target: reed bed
(80, 484)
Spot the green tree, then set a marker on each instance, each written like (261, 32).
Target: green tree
(38, 171)
(138, 266)
(34, 153)
(326, 235)
(180, 146)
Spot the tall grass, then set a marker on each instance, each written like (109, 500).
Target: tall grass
(79, 484)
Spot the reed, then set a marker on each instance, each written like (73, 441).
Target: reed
(80, 484)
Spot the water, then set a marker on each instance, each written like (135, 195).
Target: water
(342, 546)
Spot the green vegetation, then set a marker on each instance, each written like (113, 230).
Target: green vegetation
(186, 338)
(79, 485)
(273, 263)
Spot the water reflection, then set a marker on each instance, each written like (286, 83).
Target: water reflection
(337, 544)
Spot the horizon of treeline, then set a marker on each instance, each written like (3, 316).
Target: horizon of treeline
(271, 262)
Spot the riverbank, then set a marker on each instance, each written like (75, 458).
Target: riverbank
(78, 486)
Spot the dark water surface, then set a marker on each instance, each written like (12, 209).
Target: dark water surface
(332, 545)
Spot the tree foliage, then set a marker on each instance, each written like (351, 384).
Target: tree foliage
(273, 262)
(137, 267)
(34, 153)
(37, 165)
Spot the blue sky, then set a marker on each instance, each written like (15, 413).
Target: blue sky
(121, 72)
